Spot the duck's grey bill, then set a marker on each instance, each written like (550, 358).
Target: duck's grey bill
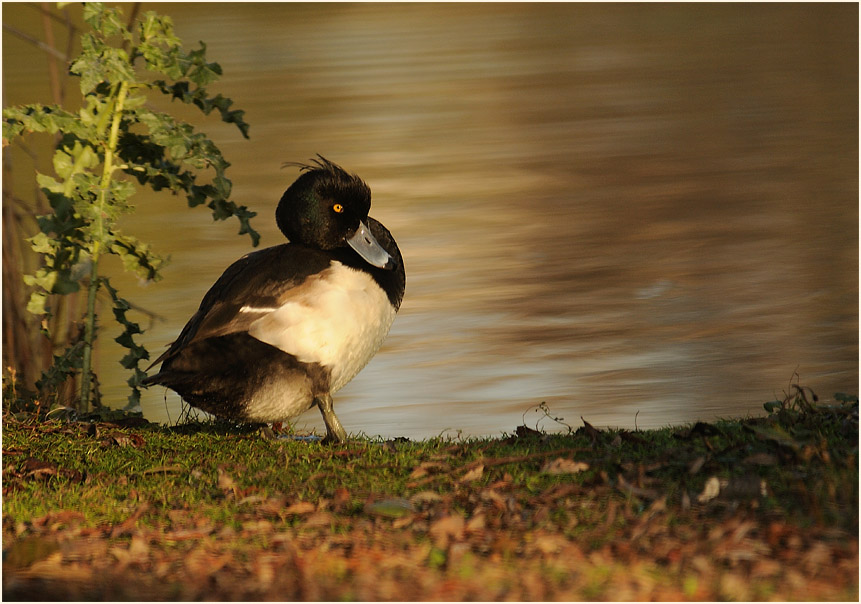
(368, 248)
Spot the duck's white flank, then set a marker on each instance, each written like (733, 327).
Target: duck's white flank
(338, 318)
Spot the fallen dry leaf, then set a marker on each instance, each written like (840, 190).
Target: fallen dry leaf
(494, 497)
(225, 482)
(425, 497)
(66, 517)
(319, 519)
(476, 524)
(593, 434)
(300, 507)
(562, 465)
(550, 544)
(127, 526)
(473, 474)
(252, 499)
(447, 529)
(429, 467)
(33, 466)
(137, 551)
(120, 439)
(657, 506)
(710, 490)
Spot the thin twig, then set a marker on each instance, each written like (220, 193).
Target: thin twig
(52, 15)
(53, 72)
(38, 43)
(21, 207)
(130, 24)
(71, 38)
(136, 7)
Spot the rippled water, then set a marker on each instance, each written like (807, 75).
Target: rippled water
(634, 213)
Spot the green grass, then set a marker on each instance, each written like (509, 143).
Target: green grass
(363, 515)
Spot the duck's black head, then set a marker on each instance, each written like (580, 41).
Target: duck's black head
(327, 208)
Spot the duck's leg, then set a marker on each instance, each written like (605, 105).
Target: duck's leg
(334, 430)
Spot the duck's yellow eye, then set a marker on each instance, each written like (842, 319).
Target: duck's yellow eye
(338, 208)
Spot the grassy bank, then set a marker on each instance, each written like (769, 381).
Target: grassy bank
(763, 508)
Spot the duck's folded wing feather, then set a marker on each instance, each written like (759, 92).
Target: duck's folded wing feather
(254, 285)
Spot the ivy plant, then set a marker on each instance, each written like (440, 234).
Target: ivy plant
(115, 140)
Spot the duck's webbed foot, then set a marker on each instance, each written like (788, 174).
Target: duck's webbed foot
(334, 430)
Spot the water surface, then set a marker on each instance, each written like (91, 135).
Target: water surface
(638, 213)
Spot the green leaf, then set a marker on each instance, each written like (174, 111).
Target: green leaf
(136, 352)
(182, 91)
(43, 278)
(107, 21)
(67, 161)
(36, 305)
(135, 100)
(137, 258)
(64, 366)
(41, 244)
(201, 72)
(158, 29)
(88, 192)
(93, 12)
(65, 287)
(49, 184)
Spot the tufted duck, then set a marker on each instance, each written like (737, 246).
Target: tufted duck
(286, 327)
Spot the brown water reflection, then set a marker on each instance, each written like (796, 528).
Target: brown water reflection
(617, 209)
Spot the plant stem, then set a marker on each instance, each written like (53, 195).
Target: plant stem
(99, 239)
(89, 337)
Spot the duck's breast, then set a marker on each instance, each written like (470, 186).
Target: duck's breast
(338, 318)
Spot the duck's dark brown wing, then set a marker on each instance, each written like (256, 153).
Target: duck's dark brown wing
(260, 280)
